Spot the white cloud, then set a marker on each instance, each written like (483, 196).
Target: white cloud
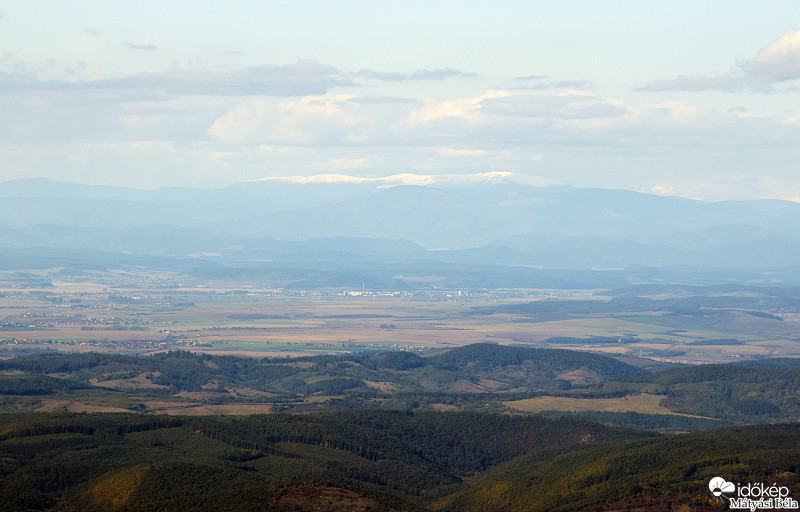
(318, 178)
(778, 61)
(572, 104)
(420, 74)
(439, 74)
(350, 163)
(539, 82)
(307, 120)
(301, 78)
(410, 178)
(234, 124)
(575, 137)
(460, 107)
(767, 71)
(143, 47)
(661, 190)
(395, 179)
(730, 81)
(673, 111)
(530, 77)
(219, 156)
(280, 150)
(382, 75)
(460, 152)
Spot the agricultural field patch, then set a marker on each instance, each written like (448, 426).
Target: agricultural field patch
(141, 381)
(642, 403)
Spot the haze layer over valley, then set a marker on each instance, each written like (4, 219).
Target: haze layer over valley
(435, 225)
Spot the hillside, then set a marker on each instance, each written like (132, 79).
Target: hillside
(484, 377)
(203, 432)
(664, 473)
(390, 380)
(744, 393)
(359, 461)
(341, 461)
(729, 394)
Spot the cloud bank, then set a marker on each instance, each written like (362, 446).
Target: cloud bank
(215, 124)
(768, 71)
(301, 78)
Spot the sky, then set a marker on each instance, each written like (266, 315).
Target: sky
(695, 99)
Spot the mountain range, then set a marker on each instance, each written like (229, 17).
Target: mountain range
(487, 221)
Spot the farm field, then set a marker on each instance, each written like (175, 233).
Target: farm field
(117, 313)
(641, 403)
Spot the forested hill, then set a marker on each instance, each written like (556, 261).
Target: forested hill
(374, 461)
(474, 377)
(749, 392)
(656, 474)
(460, 369)
(362, 460)
(485, 357)
(380, 441)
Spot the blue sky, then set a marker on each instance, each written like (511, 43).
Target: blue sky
(698, 99)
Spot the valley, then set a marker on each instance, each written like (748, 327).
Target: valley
(147, 312)
(399, 257)
(368, 399)
(173, 355)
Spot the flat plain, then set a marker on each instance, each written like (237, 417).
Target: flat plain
(152, 312)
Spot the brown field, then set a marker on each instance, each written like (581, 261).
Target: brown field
(251, 393)
(141, 381)
(324, 499)
(651, 346)
(642, 403)
(612, 350)
(381, 386)
(201, 395)
(88, 316)
(249, 353)
(177, 408)
(444, 407)
(465, 386)
(151, 407)
(740, 350)
(580, 377)
(318, 399)
(111, 491)
(48, 405)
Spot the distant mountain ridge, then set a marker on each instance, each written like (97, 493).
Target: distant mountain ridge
(493, 221)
